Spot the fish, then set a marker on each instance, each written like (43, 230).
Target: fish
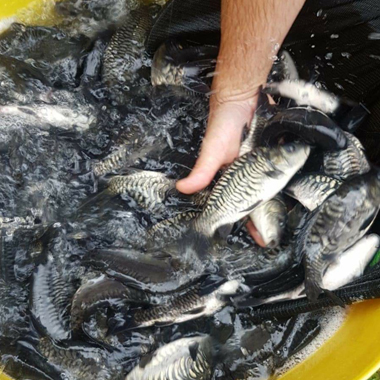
(79, 361)
(346, 268)
(196, 301)
(99, 293)
(304, 94)
(312, 189)
(124, 54)
(183, 359)
(56, 54)
(178, 63)
(250, 180)
(128, 264)
(270, 220)
(148, 189)
(50, 299)
(114, 161)
(338, 224)
(48, 116)
(312, 126)
(257, 264)
(346, 163)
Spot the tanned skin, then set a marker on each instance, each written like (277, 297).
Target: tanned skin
(252, 32)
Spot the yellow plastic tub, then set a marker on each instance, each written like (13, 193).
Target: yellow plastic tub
(353, 353)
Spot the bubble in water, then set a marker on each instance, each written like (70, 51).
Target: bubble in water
(319, 13)
(328, 56)
(346, 55)
(334, 36)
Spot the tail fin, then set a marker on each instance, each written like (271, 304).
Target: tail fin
(99, 201)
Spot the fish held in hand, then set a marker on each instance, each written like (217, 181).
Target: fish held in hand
(251, 180)
(183, 359)
(338, 224)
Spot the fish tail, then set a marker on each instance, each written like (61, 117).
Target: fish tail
(99, 201)
(197, 242)
(312, 289)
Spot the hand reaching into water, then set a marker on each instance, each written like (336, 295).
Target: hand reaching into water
(252, 32)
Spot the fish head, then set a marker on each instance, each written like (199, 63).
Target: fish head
(290, 156)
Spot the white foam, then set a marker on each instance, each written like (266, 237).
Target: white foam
(330, 320)
(6, 23)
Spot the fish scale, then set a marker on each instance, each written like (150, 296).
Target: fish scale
(123, 55)
(348, 162)
(341, 221)
(175, 361)
(312, 189)
(251, 180)
(148, 189)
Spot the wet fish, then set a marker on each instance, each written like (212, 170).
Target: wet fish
(347, 267)
(270, 220)
(304, 94)
(50, 299)
(128, 264)
(116, 160)
(178, 63)
(98, 293)
(80, 361)
(338, 224)
(54, 116)
(312, 126)
(312, 189)
(57, 55)
(348, 162)
(200, 300)
(182, 359)
(251, 180)
(124, 54)
(148, 189)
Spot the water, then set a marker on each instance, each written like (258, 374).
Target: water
(63, 133)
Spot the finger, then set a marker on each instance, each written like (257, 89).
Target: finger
(255, 234)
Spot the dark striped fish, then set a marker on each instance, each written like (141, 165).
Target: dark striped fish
(183, 359)
(348, 162)
(311, 190)
(198, 301)
(338, 224)
(148, 189)
(251, 180)
(116, 160)
(98, 293)
(124, 54)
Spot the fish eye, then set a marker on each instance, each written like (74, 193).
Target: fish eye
(290, 148)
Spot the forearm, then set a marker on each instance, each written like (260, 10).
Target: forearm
(252, 32)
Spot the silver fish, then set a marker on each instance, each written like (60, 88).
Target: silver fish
(348, 162)
(251, 180)
(148, 189)
(257, 125)
(305, 94)
(270, 220)
(183, 359)
(54, 116)
(348, 266)
(311, 190)
(338, 224)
